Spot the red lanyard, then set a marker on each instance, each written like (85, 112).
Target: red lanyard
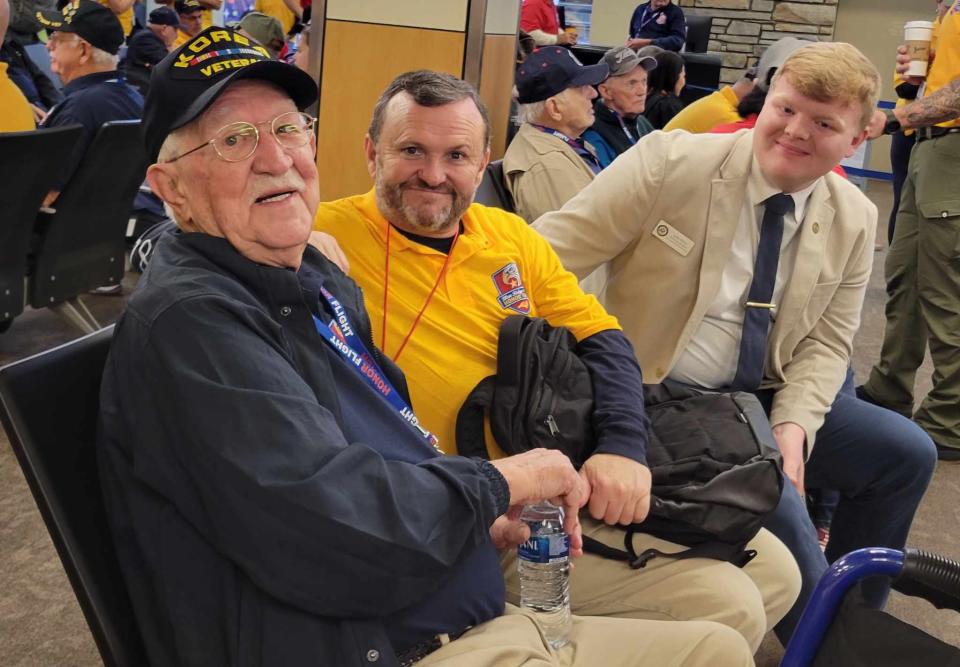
(386, 291)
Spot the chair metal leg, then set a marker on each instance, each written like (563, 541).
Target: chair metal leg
(76, 312)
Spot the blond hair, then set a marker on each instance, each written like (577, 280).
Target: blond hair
(833, 71)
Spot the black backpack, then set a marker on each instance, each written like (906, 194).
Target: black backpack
(715, 470)
(541, 396)
(712, 457)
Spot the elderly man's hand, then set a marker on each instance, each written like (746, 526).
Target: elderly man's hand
(330, 249)
(509, 531)
(546, 474)
(790, 438)
(619, 489)
(638, 42)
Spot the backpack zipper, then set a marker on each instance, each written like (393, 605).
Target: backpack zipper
(552, 425)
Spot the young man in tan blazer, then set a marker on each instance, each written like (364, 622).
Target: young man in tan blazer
(739, 261)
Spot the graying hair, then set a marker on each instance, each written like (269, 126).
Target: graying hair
(101, 58)
(428, 89)
(531, 111)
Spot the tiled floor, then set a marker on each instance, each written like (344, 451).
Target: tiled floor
(41, 623)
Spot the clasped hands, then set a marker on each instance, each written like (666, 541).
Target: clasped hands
(615, 489)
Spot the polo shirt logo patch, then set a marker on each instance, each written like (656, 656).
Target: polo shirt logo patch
(513, 295)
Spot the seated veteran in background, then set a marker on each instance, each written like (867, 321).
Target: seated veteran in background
(547, 162)
(15, 112)
(618, 111)
(739, 261)
(269, 502)
(657, 23)
(663, 89)
(266, 30)
(83, 46)
(440, 275)
(148, 47)
(714, 109)
(190, 13)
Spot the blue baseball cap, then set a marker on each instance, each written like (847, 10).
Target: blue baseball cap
(550, 70)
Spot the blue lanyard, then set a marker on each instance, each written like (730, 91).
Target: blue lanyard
(577, 145)
(342, 337)
(624, 127)
(644, 20)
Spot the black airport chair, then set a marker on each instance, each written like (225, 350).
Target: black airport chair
(27, 161)
(81, 245)
(493, 188)
(48, 406)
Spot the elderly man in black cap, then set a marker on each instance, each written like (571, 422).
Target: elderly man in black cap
(547, 162)
(148, 47)
(83, 45)
(619, 121)
(272, 497)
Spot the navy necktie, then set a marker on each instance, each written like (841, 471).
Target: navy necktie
(759, 306)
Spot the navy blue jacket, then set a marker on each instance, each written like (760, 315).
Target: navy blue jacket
(267, 507)
(666, 27)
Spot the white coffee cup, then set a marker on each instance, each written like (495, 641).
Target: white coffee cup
(917, 36)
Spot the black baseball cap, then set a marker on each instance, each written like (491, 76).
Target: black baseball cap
(189, 80)
(188, 6)
(551, 70)
(163, 16)
(92, 21)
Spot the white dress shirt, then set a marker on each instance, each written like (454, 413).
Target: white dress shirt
(710, 357)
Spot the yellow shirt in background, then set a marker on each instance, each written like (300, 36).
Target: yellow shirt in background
(277, 9)
(126, 18)
(206, 19)
(182, 38)
(717, 108)
(946, 65)
(15, 113)
(498, 267)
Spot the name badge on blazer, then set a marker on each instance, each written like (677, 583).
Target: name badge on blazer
(673, 237)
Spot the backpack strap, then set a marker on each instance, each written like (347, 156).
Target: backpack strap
(469, 431)
(732, 553)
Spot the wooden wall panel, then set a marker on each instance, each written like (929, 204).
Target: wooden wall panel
(359, 60)
(496, 86)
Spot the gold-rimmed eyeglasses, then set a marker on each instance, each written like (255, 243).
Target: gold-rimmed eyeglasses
(236, 142)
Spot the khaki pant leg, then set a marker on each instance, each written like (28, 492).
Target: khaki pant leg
(514, 639)
(749, 600)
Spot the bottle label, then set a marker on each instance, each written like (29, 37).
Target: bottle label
(545, 548)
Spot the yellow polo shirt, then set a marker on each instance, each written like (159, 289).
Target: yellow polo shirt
(717, 108)
(125, 18)
(498, 267)
(946, 64)
(15, 113)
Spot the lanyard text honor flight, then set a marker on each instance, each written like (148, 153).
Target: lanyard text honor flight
(342, 337)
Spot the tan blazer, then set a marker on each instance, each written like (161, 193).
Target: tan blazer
(659, 291)
(542, 172)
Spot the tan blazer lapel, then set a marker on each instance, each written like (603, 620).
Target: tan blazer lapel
(810, 257)
(724, 208)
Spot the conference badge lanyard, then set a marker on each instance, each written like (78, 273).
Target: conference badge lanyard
(341, 336)
(577, 145)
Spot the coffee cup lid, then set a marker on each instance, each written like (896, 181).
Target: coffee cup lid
(918, 24)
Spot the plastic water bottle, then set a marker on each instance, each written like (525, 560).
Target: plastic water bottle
(544, 564)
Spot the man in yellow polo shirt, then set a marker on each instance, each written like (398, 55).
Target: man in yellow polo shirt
(922, 268)
(439, 276)
(191, 21)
